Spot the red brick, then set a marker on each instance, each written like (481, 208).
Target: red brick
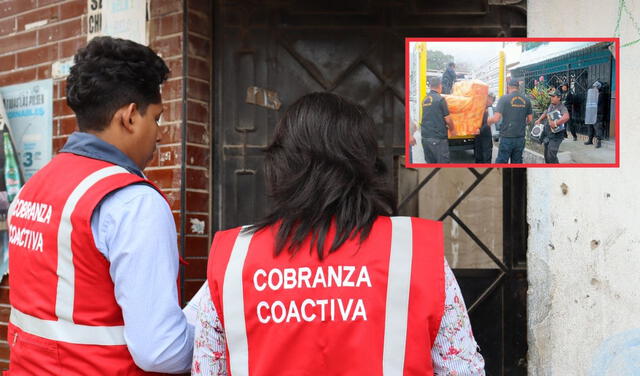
(58, 143)
(167, 47)
(197, 202)
(197, 112)
(4, 365)
(173, 197)
(11, 7)
(38, 55)
(175, 66)
(60, 108)
(18, 77)
(59, 31)
(67, 126)
(172, 111)
(172, 89)
(198, 46)
(192, 286)
(176, 219)
(199, 23)
(69, 47)
(203, 6)
(197, 134)
(165, 177)
(47, 2)
(4, 347)
(7, 26)
(166, 156)
(62, 84)
(50, 14)
(4, 294)
(17, 42)
(197, 179)
(162, 7)
(197, 156)
(170, 24)
(4, 317)
(199, 68)
(198, 90)
(72, 9)
(154, 28)
(44, 72)
(170, 134)
(7, 62)
(196, 246)
(197, 268)
(3, 331)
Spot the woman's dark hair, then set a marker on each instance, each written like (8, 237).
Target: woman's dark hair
(323, 166)
(110, 73)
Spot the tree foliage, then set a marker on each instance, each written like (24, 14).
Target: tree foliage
(437, 60)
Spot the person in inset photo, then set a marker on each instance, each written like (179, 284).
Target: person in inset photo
(483, 147)
(595, 114)
(435, 124)
(554, 131)
(514, 109)
(448, 78)
(568, 99)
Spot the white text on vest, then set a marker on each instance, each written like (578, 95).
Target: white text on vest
(311, 309)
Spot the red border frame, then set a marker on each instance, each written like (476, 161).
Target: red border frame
(616, 41)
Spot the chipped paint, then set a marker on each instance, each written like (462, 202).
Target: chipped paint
(197, 226)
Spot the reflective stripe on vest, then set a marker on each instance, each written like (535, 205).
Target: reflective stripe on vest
(397, 304)
(234, 323)
(64, 329)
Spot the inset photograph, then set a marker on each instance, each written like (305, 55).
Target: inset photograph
(506, 102)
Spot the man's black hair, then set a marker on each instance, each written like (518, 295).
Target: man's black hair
(434, 82)
(110, 73)
(451, 65)
(322, 168)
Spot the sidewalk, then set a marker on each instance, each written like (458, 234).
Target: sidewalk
(577, 152)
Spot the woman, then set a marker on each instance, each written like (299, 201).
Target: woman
(328, 283)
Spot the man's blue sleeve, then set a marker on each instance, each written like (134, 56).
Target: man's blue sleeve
(135, 230)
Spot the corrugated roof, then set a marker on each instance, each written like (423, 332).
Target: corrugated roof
(549, 51)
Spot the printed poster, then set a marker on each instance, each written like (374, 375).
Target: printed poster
(29, 111)
(11, 181)
(126, 19)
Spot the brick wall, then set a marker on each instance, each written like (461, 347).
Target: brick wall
(198, 154)
(36, 33)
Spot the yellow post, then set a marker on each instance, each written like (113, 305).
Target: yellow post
(501, 73)
(421, 48)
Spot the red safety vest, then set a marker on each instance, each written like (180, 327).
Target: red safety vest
(64, 316)
(369, 309)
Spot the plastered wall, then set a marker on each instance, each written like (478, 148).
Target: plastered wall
(584, 237)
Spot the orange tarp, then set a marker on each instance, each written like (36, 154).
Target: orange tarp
(467, 103)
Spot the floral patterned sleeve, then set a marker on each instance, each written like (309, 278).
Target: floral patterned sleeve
(455, 351)
(210, 345)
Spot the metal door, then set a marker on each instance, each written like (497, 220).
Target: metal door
(356, 48)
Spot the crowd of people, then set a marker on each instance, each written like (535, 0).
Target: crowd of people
(512, 117)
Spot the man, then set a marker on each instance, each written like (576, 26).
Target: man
(94, 259)
(515, 111)
(448, 78)
(483, 146)
(553, 132)
(568, 100)
(593, 105)
(435, 124)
